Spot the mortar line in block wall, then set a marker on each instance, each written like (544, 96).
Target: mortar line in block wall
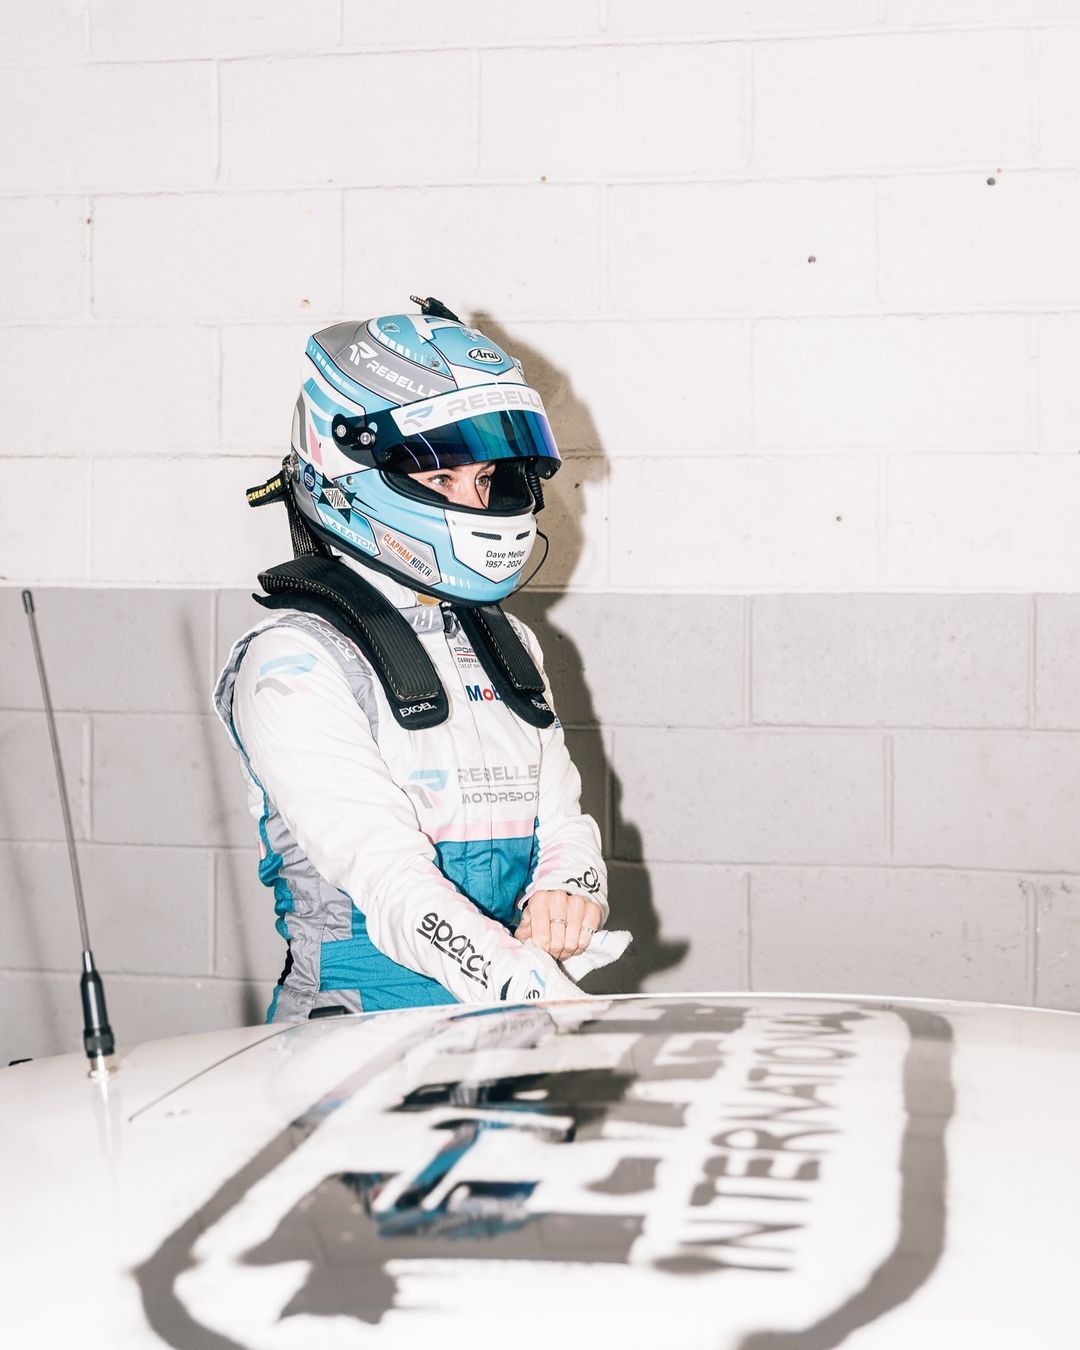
(929, 870)
(478, 95)
(81, 582)
(342, 243)
(889, 797)
(244, 852)
(89, 487)
(604, 39)
(88, 778)
(215, 612)
(91, 316)
(88, 280)
(884, 527)
(610, 822)
(884, 462)
(283, 319)
(217, 376)
(1033, 664)
(1034, 381)
(812, 455)
(760, 730)
(734, 178)
(215, 122)
(212, 891)
(604, 298)
(750, 353)
(607, 744)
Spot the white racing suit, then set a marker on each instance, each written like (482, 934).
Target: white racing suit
(399, 859)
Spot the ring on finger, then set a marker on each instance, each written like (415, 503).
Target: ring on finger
(555, 921)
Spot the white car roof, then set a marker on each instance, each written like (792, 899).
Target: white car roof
(740, 1171)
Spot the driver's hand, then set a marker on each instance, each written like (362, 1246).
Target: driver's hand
(559, 923)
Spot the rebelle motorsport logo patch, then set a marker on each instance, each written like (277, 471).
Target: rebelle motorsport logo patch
(772, 1170)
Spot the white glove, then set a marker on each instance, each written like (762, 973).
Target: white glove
(604, 947)
(539, 978)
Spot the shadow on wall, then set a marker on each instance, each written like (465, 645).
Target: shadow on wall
(632, 904)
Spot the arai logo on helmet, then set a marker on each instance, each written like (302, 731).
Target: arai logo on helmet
(484, 354)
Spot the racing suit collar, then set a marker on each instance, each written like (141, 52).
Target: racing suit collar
(422, 618)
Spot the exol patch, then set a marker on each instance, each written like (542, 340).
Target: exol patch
(456, 946)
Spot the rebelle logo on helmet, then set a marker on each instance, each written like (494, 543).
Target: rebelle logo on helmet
(403, 394)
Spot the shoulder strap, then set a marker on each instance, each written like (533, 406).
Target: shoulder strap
(506, 662)
(325, 587)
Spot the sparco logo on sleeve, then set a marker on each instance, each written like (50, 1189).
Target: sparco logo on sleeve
(455, 945)
(588, 881)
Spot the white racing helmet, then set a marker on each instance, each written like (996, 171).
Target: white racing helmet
(406, 393)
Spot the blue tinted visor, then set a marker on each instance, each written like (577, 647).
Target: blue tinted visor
(486, 437)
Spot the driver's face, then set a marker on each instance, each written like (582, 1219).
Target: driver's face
(467, 485)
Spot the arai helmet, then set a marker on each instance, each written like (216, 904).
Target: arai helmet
(405, 393)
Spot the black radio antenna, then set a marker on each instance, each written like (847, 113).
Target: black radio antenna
(97, 1034)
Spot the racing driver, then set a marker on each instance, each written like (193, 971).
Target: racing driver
(418, 810)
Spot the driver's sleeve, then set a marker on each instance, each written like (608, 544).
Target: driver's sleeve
(308, 744)
(569, 857)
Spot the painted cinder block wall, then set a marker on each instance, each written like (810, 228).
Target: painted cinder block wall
(800, 285)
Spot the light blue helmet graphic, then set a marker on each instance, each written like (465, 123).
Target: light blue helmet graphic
(402, 394)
